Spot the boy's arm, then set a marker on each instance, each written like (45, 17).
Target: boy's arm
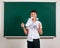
(25, 30)
(40, 29)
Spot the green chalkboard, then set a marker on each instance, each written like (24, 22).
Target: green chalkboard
(17, 12)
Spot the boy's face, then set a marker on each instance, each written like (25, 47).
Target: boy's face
(33, 14)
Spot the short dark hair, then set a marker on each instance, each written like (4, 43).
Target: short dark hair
(33, 11)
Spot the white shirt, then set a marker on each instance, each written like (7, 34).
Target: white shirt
(33, 29)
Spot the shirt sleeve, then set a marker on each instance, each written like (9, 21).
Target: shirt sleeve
(29, 21)
(40, 24)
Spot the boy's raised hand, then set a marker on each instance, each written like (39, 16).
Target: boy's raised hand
(22, 25)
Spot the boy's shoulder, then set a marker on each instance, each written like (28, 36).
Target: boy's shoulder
(38, 21)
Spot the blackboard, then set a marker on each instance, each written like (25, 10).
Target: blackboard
(17, 12)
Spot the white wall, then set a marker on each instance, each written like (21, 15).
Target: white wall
(21, 43)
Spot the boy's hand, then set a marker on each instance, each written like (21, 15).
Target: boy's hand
(25, 30)
(22, 25)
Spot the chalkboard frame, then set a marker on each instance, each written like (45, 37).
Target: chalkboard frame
(42, 37)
